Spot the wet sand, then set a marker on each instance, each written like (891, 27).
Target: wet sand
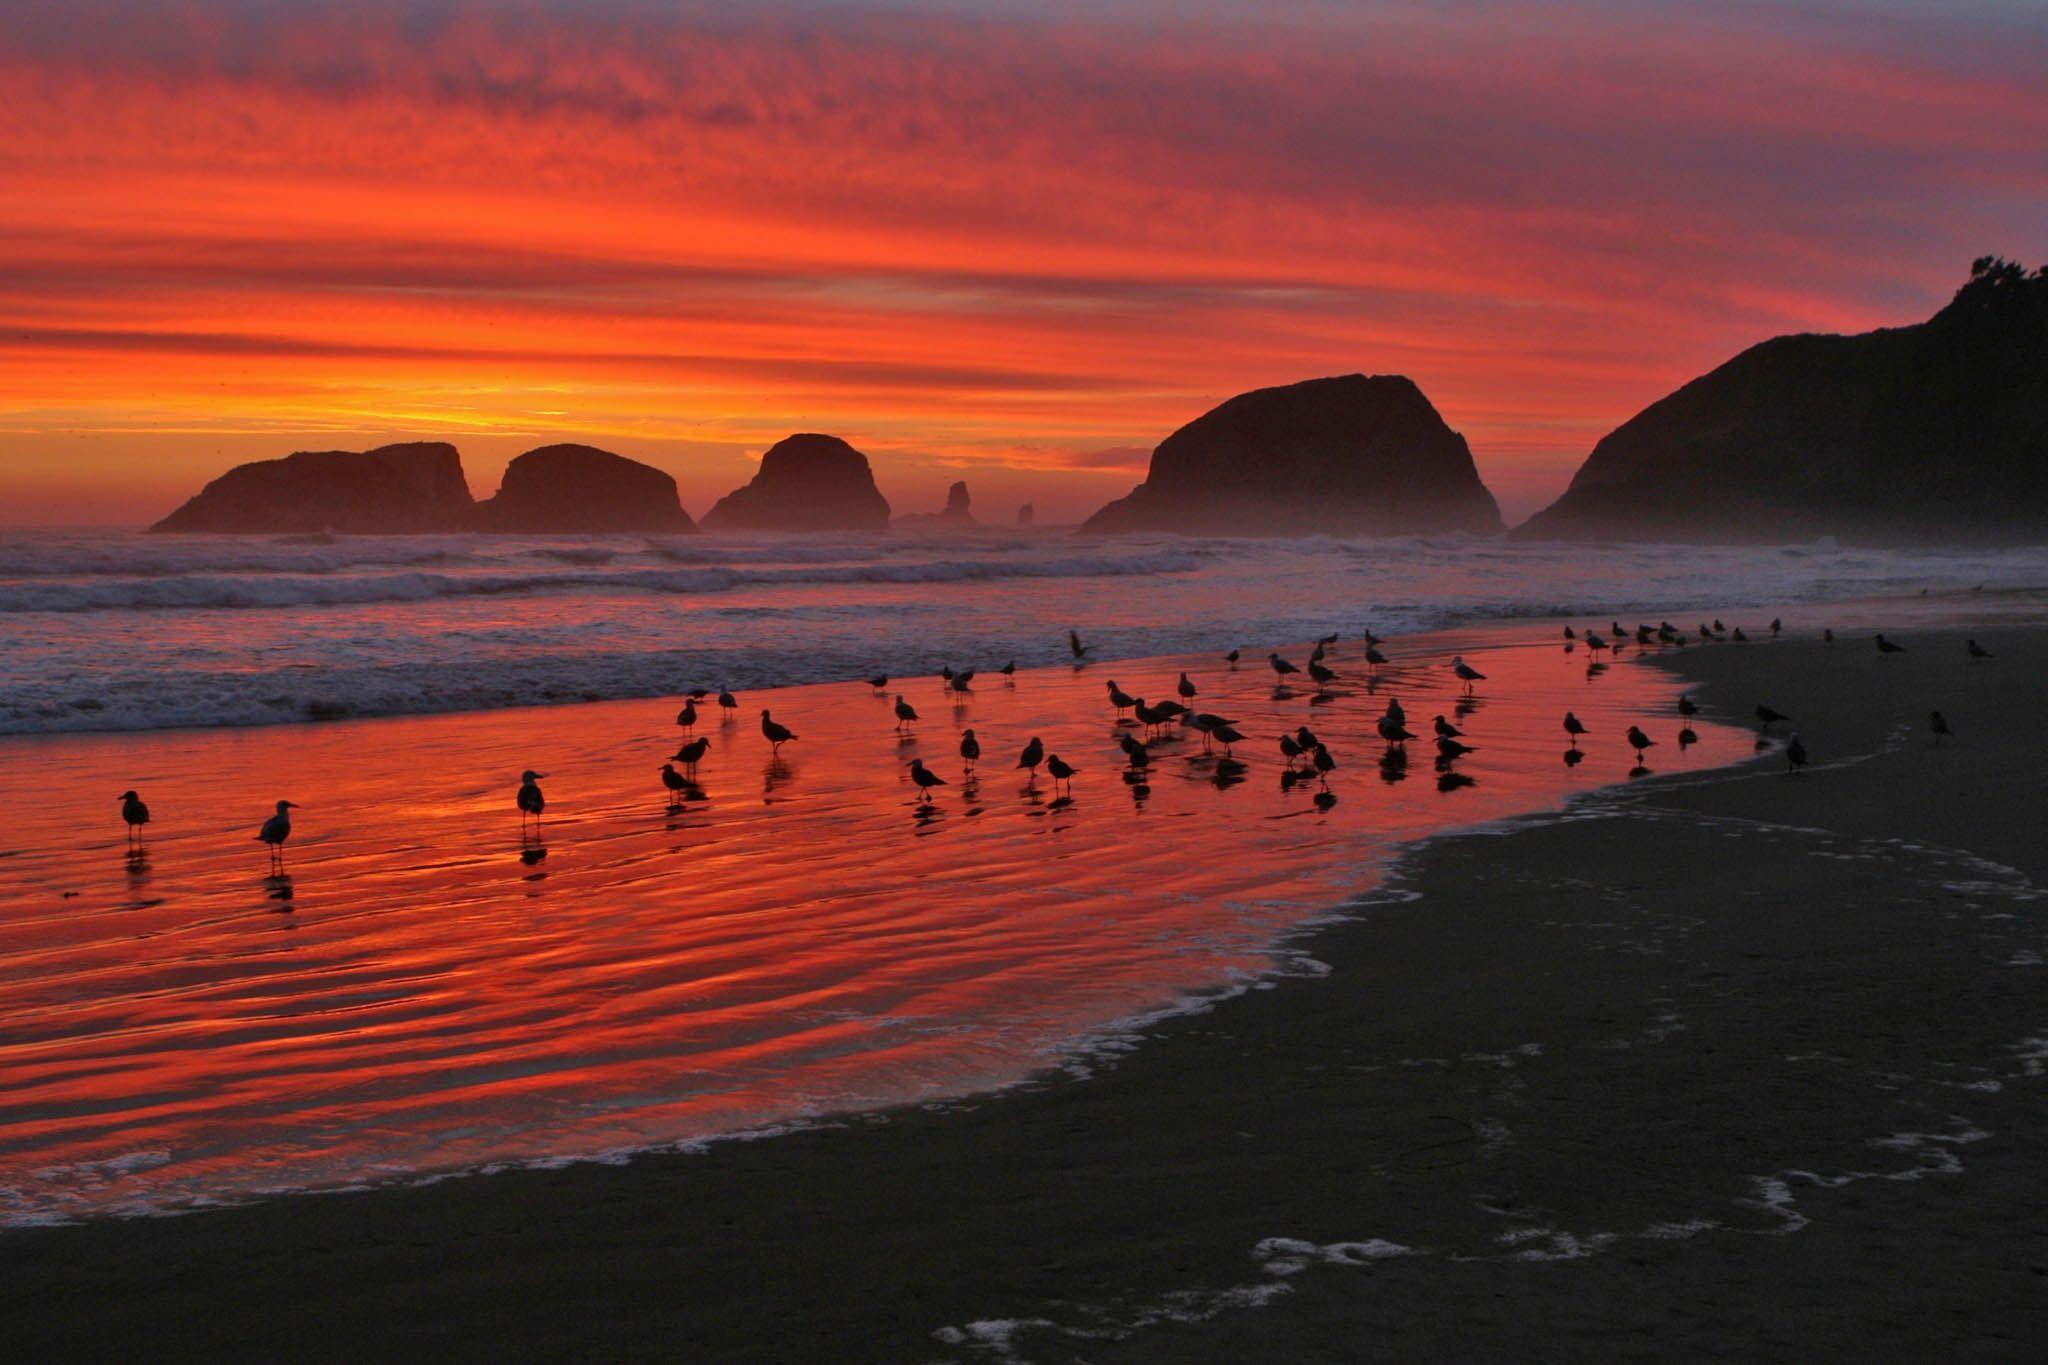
(1726, 1063)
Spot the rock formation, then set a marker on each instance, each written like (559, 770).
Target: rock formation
(1929, 432)
(1355, 454)
(1026, 514)
(392, 490)
(806, 482)
(958, 512)
(582, 489)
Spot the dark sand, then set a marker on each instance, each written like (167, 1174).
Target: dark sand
(1748, 1065)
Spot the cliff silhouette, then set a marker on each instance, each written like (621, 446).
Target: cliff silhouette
(807, 482)
(1929, 432)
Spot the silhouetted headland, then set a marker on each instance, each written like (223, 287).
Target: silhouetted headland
(1354, 454)
(807, 482)
(1936, 431)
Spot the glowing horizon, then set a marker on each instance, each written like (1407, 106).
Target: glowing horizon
(1013, 244)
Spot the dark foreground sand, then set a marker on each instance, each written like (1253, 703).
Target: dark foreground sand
(1747, 1065)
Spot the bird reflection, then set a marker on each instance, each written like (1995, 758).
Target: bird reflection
(277, 888)
(1450, 780)
(1325, 799)
(1687, 738)
(1466, 706)
(774, 773)
(1229, 773)
(924, 813)
(1394, 765)
(1639, 771)
(1574, 757)
(136, 863)
(533, 853)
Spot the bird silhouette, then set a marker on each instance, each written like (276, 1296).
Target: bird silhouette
(906, 714)
(1322, 675)
(1444, 729)
(879, 682)
(1185, 688)
(1766, 717)
(1977, 651)
(1062, 772)
(1228, 734)
(1009, 670)
(1136, 753)
(1120, 699)
(1938, 723)
(1450, 750)
(1469, 675)
(1795, 753)
(1827, 636)
(276, 830)
(675, 782)
(1885, 646)
(1639, 742)
(1324, 763)
(687, 717)
(970, 750)
(1232, 657)
(728, 703)
(1573, 727)
(1392, 731)
(1074, 643)
(1776, 626)
(134, 814)
(925, 779)
(1280, 665)
(774, 732)
(1033, 755)
(959, 681)
(690, 753)
(1290, 749)
(1687, 707)
(529, 800)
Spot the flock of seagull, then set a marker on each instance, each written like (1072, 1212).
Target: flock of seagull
(1307, 757)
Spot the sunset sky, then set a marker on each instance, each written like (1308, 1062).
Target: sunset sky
(1011, 242)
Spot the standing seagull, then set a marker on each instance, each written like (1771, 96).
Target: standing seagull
(1639, 742)
(1766, 717)
(970, 751)
(687, 717)
(690, 753)
(906, 714)
(1573, 728)
(1468, 675)
(135, 814)
(1977, 651)
(1938, 723)
(675, 782)
(276, 830)
(1445, 730)
(1322, 674)
(1280, 665)
(1185, 688)
(925, 779)
(776, 734)
(1795, 753)
(1687, 707)
(1061, 771)
(727, 702)
(530, 801)
(1885, 646)
(1232, 657)
(1120, 699)
(1033, 755)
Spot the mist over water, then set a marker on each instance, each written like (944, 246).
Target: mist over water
(123, 631)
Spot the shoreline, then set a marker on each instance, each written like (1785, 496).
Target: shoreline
(1277, 1148)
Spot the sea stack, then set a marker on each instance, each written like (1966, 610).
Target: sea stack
(957, 514)
(807, 482)
(1350, 455)
(413, 487)
(1026, 514)
(1932, 432)
(576, 488)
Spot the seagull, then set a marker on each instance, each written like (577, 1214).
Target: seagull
(1776, 626)
(1570, 634)
(1033, 755)
(727, 701)
(1325, 764)
(1185, 688)
(1393, 731)
(959, 681)
(879, 681)
(970, 750)
(1120, 699)
(925, 779)
(675, 782)
(1639, 742)
(1977, 651)
(1468, 675)
(1074, 643)
(1885, 646)
(1232, 657)
(1280, 665)
(277, 829)
(1395, 713)
(529, 800)
(1573, 728)
(1373, 658)
(1061, 771)
(1444, 729)
(1719, 629)
(1766, 717)
(1325, 641)
(1323, 676)
(1306, 738)
(135, 814)
(1740, 638)
(1938, 723)
(1827, 636)
(1315, 656)
(687, 717)
(906, 714)
(1795, 753)
(1134, 751)
(699, 693)
(1009, 670)
(1229, 735)
(690, 753)
(1595, 641)
(1687, 707)
(1289, 750)
(776, 734)
(1450, 750)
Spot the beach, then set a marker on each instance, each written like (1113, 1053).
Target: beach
(1724, 1061)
